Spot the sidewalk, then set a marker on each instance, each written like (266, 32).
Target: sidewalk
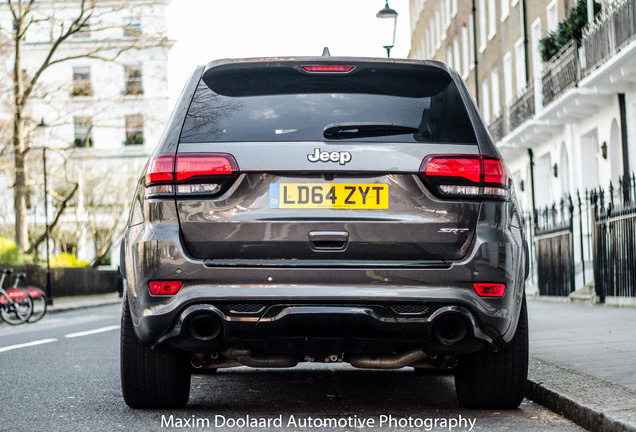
(63, 304)
(583, 363)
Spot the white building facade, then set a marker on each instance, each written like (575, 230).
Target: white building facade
(99, 116)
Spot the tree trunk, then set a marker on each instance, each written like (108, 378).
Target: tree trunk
(19, 146)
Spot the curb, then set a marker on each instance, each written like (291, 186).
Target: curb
(592, 403)
(76, 306)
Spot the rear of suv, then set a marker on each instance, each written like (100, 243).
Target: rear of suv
(324, 210)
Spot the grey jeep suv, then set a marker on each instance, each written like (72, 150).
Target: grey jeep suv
(324, 209)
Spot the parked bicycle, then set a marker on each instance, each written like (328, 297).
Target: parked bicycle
(16, 305)
(38, 296)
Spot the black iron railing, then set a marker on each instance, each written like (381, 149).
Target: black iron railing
(523, 108)
(496, 128)
(612, 29)
(554, 249)
(562, 72)
(614, 216)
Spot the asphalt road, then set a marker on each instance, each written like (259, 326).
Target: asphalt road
(62, 374)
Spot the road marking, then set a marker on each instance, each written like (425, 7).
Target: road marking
(90, 332)
(28, 344)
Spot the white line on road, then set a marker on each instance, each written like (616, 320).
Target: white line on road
(90, 332)
(28, 344)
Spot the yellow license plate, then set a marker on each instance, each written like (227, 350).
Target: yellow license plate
(329, 195)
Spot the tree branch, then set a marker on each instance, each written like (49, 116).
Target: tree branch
(63, 206)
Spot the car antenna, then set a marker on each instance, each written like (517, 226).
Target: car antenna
(325, 52)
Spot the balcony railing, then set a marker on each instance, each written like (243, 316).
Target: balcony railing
(611, 30)
(496, 128)
(562, 72)
(523, 108)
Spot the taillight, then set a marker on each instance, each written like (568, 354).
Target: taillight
(164, 287)
(189, 173)
(490, 289)
(327, 68)
(466, 176)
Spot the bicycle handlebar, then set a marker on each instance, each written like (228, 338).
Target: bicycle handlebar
(7, 271)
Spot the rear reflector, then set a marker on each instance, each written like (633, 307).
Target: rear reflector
(328, 68)
(466, 175)
(164, 287)
(490, 289)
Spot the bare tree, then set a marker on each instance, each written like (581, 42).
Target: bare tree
(82, 16)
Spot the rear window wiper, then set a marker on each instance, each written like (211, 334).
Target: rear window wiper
(362, 130)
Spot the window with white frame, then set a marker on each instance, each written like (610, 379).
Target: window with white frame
(82, 81)
(465, 51)
(83, 127)
(456, 53)
(505, 9)
(520, 67)
(471, 41)
(132, 27)
(507, 78)
(134, 129)
(482, 24)
(438, 29)
(492, 19)
(494, 84)
(133, 82)
(552, 12)
(485, 101)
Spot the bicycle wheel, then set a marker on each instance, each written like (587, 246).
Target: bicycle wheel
(20, 310)
(39, 304)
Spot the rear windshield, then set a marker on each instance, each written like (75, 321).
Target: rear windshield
(374, 107)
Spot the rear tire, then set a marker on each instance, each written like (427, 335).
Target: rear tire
(495, 380)
(151, 378)
(18, 312)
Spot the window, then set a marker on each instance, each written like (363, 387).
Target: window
(134, 129)
(520, 66)
(485, 101)
(432, 41)
(482, 24)
(471, 41)
(132, 75)
(132, 27)
(507, 74)
(83, 127)
(492, 22)
(494, 83)
(553, 16)
(83, 33)
(438, 29)
(505, 9)
(456, 53)
(82, 81)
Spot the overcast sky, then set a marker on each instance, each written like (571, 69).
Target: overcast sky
(211, 29)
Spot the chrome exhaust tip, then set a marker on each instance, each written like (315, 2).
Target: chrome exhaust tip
(450, 329)
(204, 327)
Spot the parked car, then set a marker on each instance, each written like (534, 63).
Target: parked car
(324, 209)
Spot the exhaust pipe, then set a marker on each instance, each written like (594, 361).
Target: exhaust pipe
(204, 327)
(450, 329)
(387, 361)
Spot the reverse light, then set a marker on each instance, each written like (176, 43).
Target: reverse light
(164, 287)
(490, 289)
(327, 68)
(466, 175)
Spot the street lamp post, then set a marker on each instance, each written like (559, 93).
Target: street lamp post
(388, 18)
(49, 275)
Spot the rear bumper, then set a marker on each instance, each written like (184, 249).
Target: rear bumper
(316, 308)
